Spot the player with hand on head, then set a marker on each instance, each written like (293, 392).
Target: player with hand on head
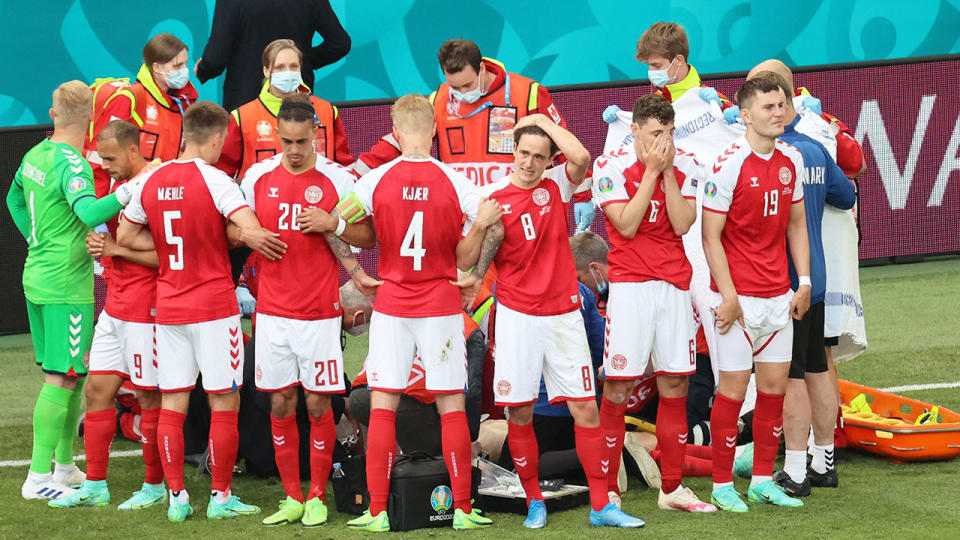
(539, 328)
(298, 329)
(752, 210)
(648, 192)
(430, 221)
(53, 205)
(185, 202)
(122, 340)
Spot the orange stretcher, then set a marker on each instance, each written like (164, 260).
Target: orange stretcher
(888, 425)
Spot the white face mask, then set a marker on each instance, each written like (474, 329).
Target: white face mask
(178, 78)
(286, 81)
(660, 77)
(473, 95)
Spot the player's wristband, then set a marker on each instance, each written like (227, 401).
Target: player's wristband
(803, 280)
(342, 225)
(354, 202)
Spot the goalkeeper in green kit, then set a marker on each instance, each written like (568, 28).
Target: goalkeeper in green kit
(53, 204)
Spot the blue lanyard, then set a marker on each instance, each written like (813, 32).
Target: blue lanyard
(489, 104)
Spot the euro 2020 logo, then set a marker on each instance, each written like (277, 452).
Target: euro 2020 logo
(441, 499)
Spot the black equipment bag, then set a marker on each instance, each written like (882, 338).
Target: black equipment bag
(420, 494)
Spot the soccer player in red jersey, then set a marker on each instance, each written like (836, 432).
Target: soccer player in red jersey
(298, 328)
(420, 207)
(122, 341)
(539, 328)
(753, 207)
(648, 192)
(185, 203)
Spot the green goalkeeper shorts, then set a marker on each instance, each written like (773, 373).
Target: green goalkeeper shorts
(62, 334)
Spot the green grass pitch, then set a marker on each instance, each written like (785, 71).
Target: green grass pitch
(914, 339)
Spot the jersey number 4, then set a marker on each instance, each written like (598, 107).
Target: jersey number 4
(412, 244)
(176, 259)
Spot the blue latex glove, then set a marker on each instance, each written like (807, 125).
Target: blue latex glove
(813, 104)
(610, 114)
(101, 228)
(709, 94)
(731, 115)
(584, 214)
(248, 304)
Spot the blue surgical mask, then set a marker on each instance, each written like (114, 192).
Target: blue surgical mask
(286, 81)
(659, 77)
(473, 95)
(601, 285)
(178, 78)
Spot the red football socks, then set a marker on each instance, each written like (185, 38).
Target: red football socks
(99, 427)
(593, 457)
(323, 435)
(455, 439)
(286, 452)
(170, 439)
(611, 420)
(381, 445)
(223, 448)
(767, 428)
(723, 432)
(672, 439)
(522, 442)
(153, 473)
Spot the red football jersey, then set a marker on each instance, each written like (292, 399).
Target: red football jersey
(131, 287)
(186, 203)
(655, 252)
(756, 193)
(304, 284)
(535, 270)
(419, 208)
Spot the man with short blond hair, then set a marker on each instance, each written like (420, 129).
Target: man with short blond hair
(53, 204)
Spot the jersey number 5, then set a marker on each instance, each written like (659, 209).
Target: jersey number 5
(176, 260)
(412, 244)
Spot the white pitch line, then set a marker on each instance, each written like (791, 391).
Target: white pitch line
(912, 387)
(81, 457)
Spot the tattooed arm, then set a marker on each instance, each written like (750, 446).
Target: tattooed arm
(365, 284)
(470, 283)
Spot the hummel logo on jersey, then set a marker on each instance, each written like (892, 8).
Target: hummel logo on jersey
(777, 431)
(754, 182)
(611, 441)
(730, 441)
(279, 440)
(506, 209)
(605, 465)
(520, 461)
(274, 193)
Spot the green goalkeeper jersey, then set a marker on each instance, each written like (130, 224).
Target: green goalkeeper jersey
(58, 270)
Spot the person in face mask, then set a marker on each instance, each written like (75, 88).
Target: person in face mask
(475, 109)
(252, 135)
(590, 257)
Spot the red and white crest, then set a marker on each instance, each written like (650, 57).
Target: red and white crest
(785, 175)
(313, 194)
(503, 387)
(541, 196)
(618, 362)
(264, 129)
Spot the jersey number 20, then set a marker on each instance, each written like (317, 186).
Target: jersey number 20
(412, 244)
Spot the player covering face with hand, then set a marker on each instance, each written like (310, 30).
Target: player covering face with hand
(539, 328)
(648, 192)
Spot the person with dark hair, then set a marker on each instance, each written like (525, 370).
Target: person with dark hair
(753, 209)
(811, 397)
(53, 205)
(252, 136)
(185, 202)
(539, 329)
(241, 29)
(298, 330)
(647, 191)
(122, 340)
(475, 110)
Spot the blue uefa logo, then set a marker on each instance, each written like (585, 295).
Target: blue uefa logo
(441, 499)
